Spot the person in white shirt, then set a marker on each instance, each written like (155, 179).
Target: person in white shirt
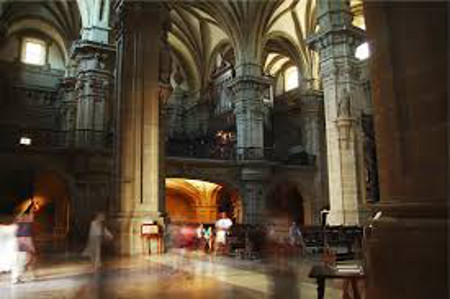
(97, 233)
(222, 226)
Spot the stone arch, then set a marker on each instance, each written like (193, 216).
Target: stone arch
(286, 198)
(52, 188)
(281, 43)
(203, 199)
(223, 47)
(228, 200)
(43, 27)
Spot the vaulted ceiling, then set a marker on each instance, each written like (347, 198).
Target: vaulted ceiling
(269, 33)
(60, 20)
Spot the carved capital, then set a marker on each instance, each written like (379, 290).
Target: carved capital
(244, 84)
(331, 37)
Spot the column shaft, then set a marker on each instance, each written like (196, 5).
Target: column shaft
(407, 247)
(138, 98)
(248, 94)
(336, 43)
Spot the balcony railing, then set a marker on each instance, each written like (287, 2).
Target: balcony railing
(205, 150)
(48, 139)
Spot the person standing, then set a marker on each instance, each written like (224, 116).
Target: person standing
(207, 234)
(97, 233)
(199, 235)
(222, 227)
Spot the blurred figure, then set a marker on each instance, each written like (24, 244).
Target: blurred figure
(200, 243)
(282, 259)
(207, 235)
(97, 233)
(25, 257)
(296, 238)
(9, 247)
(188, 236)
(222, 227)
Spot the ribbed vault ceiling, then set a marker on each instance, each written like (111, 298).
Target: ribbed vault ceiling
(269, 33)
(58, 19)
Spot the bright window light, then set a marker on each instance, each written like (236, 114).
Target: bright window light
(33, 52)
(25, 141)
(362, 52)
(291, 78)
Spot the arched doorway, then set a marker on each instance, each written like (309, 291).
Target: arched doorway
(197, 201)
(180, 202)
(285, 198)
(228, 201)
(50, 192)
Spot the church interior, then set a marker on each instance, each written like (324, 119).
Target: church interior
(165, 115)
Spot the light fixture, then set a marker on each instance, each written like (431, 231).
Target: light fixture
(362, 51)
(25, 141)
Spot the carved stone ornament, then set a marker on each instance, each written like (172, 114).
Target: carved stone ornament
(344, 105)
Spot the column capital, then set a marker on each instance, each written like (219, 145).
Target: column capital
(91, 55)
(341, 35)
(248, 82)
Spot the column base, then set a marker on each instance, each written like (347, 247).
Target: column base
(407, 254)
(127, 231)
(348, 217)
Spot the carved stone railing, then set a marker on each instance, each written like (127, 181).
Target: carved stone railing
(205, 149)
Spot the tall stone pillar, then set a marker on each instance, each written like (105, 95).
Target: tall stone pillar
(68, 95)
(336, 42)
(254, 178)
(248, 88)
(138, 121)
(314, 140)
(165, 90)
(407, 247)
(174, 113)
(93, 89)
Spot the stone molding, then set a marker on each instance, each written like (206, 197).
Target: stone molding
(241, 84)
(345, 34)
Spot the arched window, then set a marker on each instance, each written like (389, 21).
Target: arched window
(290, 78)
(34, 51)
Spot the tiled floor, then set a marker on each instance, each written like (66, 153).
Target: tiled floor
(167, 276)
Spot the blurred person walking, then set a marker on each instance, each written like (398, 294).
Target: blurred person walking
(97, 234)
(26, 253)
(296, 238)
(207, 235)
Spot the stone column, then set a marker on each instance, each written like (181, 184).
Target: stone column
(254, 178)
(174, 113)
(248, 89)
(68, 110)
(93, 89)
(407, 247)
(314, 141)
(138, 121)
(165, 90)
(336, 42)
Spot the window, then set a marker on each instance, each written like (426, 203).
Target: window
(290, 78)
(33, 51)
(362, 52)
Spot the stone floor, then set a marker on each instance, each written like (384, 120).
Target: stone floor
(196, 276)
